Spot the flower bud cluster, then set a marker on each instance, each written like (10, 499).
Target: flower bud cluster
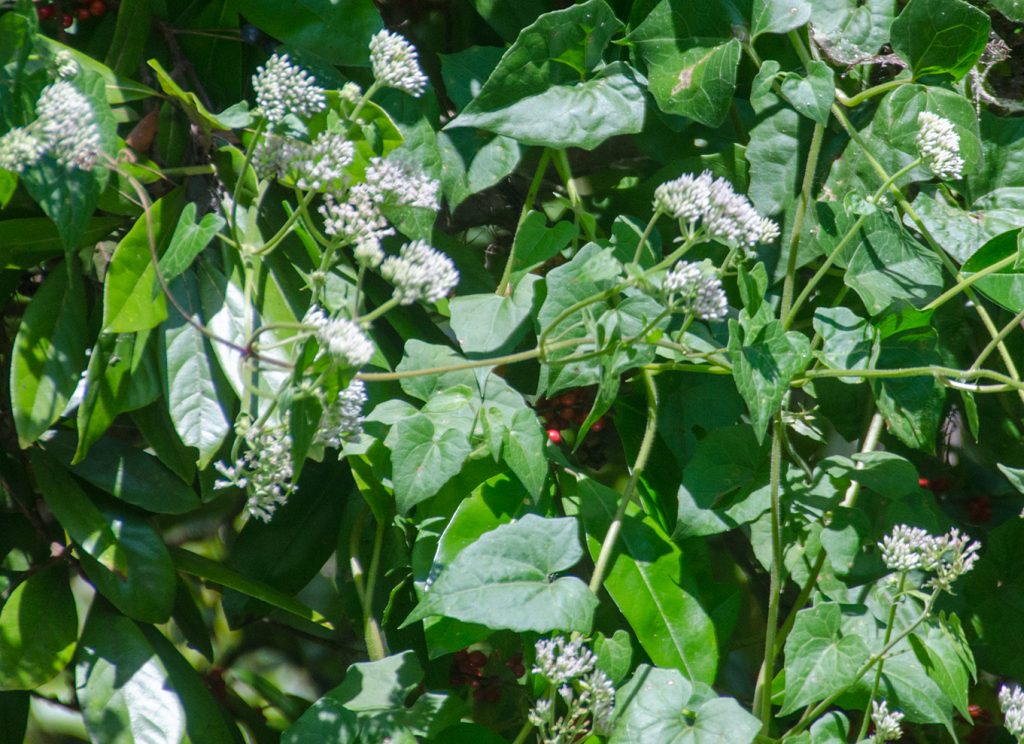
(343, 339)
(343, 419)
(315, 166)
(396, 64)
(66, 65)
(939, 145)
(587, 692)
(265, 470)
(694, 290)
(283, 88)
(887, 723)
(1011, 702)
(65, 127)
(403, 185)
(724, 214)
(420, 272)
(948, 556)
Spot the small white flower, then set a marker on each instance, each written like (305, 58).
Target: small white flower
(283, 88)
(66, 124)
(732, 217)
(357, 219)
(948, 556)
(67, 67)
(265, 470)
(396, 64)
(19, 149)
(350, 92)
(420, 272)
(939, 145)
(685, 198)
(696, 291)
(340, 337)
(403, 185)
(904, 548)
(599, 692)
(561, 661)
(343, 419)
(887, 724)
(1011, 702)
(323, 163)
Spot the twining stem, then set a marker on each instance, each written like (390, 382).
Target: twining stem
(376, 649)
(890, 623)
(240, 178)
(531, 197)
(1005, 331)
(798, 219)
(380, 310)
(762, 693)
(524, 732)
(964, 283)
(646, 234)
(646, 444)
(561, 161)
(877, 90)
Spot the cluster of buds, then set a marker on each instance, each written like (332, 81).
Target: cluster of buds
(264, 471)
(587, 694)
(947, 556)
(939, 145)
(724, 214)
(1011, 702)
(395, 63)
(342, 420)
(887, 723)
(420, 272)
(283, 88)
(65, 128)
(311, 166)
(695, 288)
(339, 337)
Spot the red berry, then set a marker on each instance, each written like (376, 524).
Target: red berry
(554, 436)
(567, 413)
(67, 20)
(478, 659)
(569, 399)
(45, 12)
(97, 8)
(599, 424)
(83, 14)
(924, 482)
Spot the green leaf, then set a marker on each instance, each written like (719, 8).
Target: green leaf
(190, 377)
(850, 29)
(660, 705)
(128, 45)
(472, 162)
(889, 265)
(188, 241)
(338, 32)
(29, 241)
(820, 659)
(885, 473)
(1005, 287)
(508, 19)
(651, 584)
(775, 150)
(536, 242)
(844, 537)
(1012, 9)
(504, 580)
(132, 298)
(142, 584)
(778, 16)
(848, 340)
(127, 473)
(49, 353)
(493, 325)
(424, 456)
(942, 648)
(812, 95)
(38, 630)
(465, 72)
(763, 367)
(523, 451)
(134, 687)
(538, 93)
(690, 57)
(940, 36)
(992, 592)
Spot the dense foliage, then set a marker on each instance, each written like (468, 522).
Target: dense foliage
(481, 371)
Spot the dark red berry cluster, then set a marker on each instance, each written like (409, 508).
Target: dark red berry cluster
(471, 668)
(83, 11)
(568, 411)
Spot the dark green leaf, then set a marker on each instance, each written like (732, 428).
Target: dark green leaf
(848, 340)
(778, 16)
(1006, 286)
(29, 241)
(812, 95)
(188, 241)
(536, 242)
(940, 36)
(493, 325)
(504, 580)
(424, 455)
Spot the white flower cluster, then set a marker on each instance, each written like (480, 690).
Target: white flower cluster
(887, 723)
(65, 127)
(724, 214)
(395, 63)
(343, 419)
(264, 471)
(403, 185)
(283, 88)
(420, 272)
(66, 65)
(1011, 702)
(587, 693)
(340, 337)
(948, 556)
(939, 145)
(696, 291)
(313, 166)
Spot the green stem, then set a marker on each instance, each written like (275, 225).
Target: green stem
(286, 227)
(963, 284)
(376, 646)
(646, 444)
(531, 197)
(798, 220)
(354, 116)
(890, 623)
(645, 236)
(762, 693)
(524, 732)
(877, 90)
(1005, 331)
(931, 371)
(378, 311)
(561, 161)
(240, 178)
